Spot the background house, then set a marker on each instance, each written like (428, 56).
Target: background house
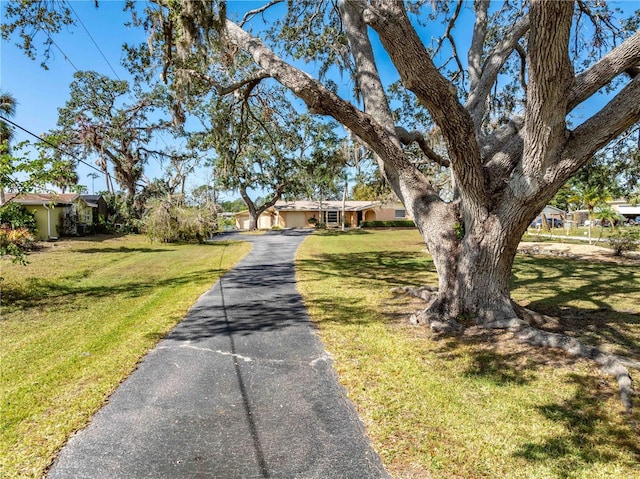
(298, 214)
(554, 216)
(61, 214)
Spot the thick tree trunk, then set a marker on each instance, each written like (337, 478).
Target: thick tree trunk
(474, 277)
(473, 256)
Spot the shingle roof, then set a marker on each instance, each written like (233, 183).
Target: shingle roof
(40, 198)
(326, 205)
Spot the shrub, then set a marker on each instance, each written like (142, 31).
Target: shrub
(17, 216)
(15, 242)
(623, 240)
(171, 222)
(388, 224)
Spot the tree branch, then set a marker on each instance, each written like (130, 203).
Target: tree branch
(477, 42)
(406, 138)
(625, 56)
(611, 121)
(480, 89)
(550, 78)
(257, 11)
(452, 42)
(321, 100)
(225, 90)
(420, 75)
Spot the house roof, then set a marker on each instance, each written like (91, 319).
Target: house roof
(552, 209)
(326, 205)
(628, 209)
(40, 198)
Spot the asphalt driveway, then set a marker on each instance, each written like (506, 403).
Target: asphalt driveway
(242, 388)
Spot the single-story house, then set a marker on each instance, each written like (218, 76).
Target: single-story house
(304, 214)
(60, 214)
(626, 211)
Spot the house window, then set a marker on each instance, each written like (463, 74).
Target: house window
(400, 213)
(332, 216)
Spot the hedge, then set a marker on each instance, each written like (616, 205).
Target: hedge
(388, 224)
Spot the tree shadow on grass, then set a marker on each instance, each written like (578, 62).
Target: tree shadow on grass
(46, 293)
(567, 281)
(168, 248)
(121, 249)
(386, 268)
(590, 436)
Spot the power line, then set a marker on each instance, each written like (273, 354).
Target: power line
(92, 39)
(63, 53)
(54, 146)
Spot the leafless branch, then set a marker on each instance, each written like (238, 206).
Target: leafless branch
(252, 13)
(225, 90)
(452, 23)
(523, 66)
(449, 36)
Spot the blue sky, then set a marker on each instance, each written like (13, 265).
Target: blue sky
(41, 92)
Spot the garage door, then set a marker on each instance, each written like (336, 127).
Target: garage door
(295, 219)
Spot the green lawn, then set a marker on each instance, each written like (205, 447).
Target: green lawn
(74, 324)
(465, 407)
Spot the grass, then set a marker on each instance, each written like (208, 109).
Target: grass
(74, 324)
(477, 406)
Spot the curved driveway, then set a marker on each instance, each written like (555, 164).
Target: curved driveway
(242, 388)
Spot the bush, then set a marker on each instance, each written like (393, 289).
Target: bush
(623, 240)
(388, 224)
(171, 222)
(17, 216)
(15, 242)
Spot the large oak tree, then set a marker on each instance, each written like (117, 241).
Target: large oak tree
(505, 168)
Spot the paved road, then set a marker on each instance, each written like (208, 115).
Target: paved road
(242, 388)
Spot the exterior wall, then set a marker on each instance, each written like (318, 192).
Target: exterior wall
(84, 212)
(42, 222)
(242, 220)
(389, 214)
(369, 215)
(265, 221)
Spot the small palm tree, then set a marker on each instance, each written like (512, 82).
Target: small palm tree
(7, 109)
(606, 214)
(590, 197)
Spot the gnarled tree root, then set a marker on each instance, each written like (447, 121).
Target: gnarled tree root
(524, 329)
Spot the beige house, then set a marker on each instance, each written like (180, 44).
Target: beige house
(53, 212)
(305, 214)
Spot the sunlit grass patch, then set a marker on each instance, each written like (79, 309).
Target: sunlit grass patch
(480, 405)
